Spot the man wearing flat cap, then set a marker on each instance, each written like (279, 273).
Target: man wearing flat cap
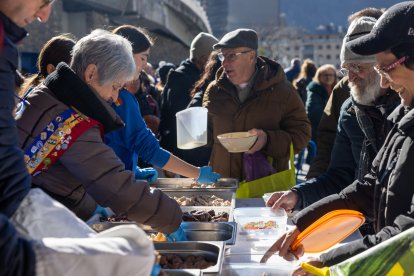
(251, 93)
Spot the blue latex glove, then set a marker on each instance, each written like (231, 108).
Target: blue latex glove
(178, 235)
(156, 269)
(207, 175)
(149, 174)
(101, 211)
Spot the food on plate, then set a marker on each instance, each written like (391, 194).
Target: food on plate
(202, 200)
(159, 237)
(173, 261)
(205, 216)
(259, 225)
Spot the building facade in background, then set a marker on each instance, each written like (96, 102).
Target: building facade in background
(217, 13)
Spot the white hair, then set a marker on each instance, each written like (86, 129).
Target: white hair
(111, 53)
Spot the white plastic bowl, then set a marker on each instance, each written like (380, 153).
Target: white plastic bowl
(237, 141)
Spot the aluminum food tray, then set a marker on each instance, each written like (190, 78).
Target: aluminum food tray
(211, 231)
(217, 209)
(211, 251)
(208, 231)
(226, 195)
(185, 184)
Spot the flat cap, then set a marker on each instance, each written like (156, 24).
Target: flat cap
(238, 38)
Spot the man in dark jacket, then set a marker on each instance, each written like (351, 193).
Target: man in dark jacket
(176, 95)
(17, 254)
(362, 128)
(329, 122)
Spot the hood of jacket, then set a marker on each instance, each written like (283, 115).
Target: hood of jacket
(72, 91)
(188, 67)
(269, 73)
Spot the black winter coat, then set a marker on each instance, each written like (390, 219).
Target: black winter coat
(17, 256)
(385, 196)
(176, 97)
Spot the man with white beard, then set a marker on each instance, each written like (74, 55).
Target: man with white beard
(362, 128)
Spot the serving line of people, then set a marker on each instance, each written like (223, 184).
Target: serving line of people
(385, 194)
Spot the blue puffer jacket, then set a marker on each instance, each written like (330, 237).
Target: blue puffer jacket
(135, 139)
(344, 160)
(17, 256)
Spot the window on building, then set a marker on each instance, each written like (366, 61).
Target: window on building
(328, 47)
(328, 57)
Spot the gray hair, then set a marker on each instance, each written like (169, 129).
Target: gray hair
(111, 53)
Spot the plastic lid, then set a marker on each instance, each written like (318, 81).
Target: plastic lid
(259, 212)
(329, 230)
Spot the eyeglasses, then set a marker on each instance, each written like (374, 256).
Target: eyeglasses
(231, 56)
(385, 70)
(354, 68)
(328, 75)
(46, 3)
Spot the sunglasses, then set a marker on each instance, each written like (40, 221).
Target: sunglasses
(385, 70)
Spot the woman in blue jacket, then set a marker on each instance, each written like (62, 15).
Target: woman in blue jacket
(135, 140)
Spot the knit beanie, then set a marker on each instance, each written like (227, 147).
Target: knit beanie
(202, 45)
(139, 39)
(359, 27)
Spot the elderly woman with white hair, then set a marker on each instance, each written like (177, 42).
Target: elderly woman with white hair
(61, 130)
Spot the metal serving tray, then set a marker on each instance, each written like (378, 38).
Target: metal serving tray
(208, 231)
(211, 231)
(217, 209)
(211, 251)
(174, 184)
(226, 195)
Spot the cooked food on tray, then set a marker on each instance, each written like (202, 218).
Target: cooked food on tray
(159, 237)
(201, 200)
(205, 216)
(173, 261)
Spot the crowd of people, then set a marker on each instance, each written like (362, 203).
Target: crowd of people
(96, 125)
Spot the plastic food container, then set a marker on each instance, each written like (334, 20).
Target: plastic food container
(263, 223)
(248, 269)
(266, 197)
(191, 128)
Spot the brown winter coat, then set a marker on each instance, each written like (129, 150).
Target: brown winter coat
(273, 106)
(327, 128)
(89, 172)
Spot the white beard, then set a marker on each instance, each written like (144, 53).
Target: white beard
(367, 91)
